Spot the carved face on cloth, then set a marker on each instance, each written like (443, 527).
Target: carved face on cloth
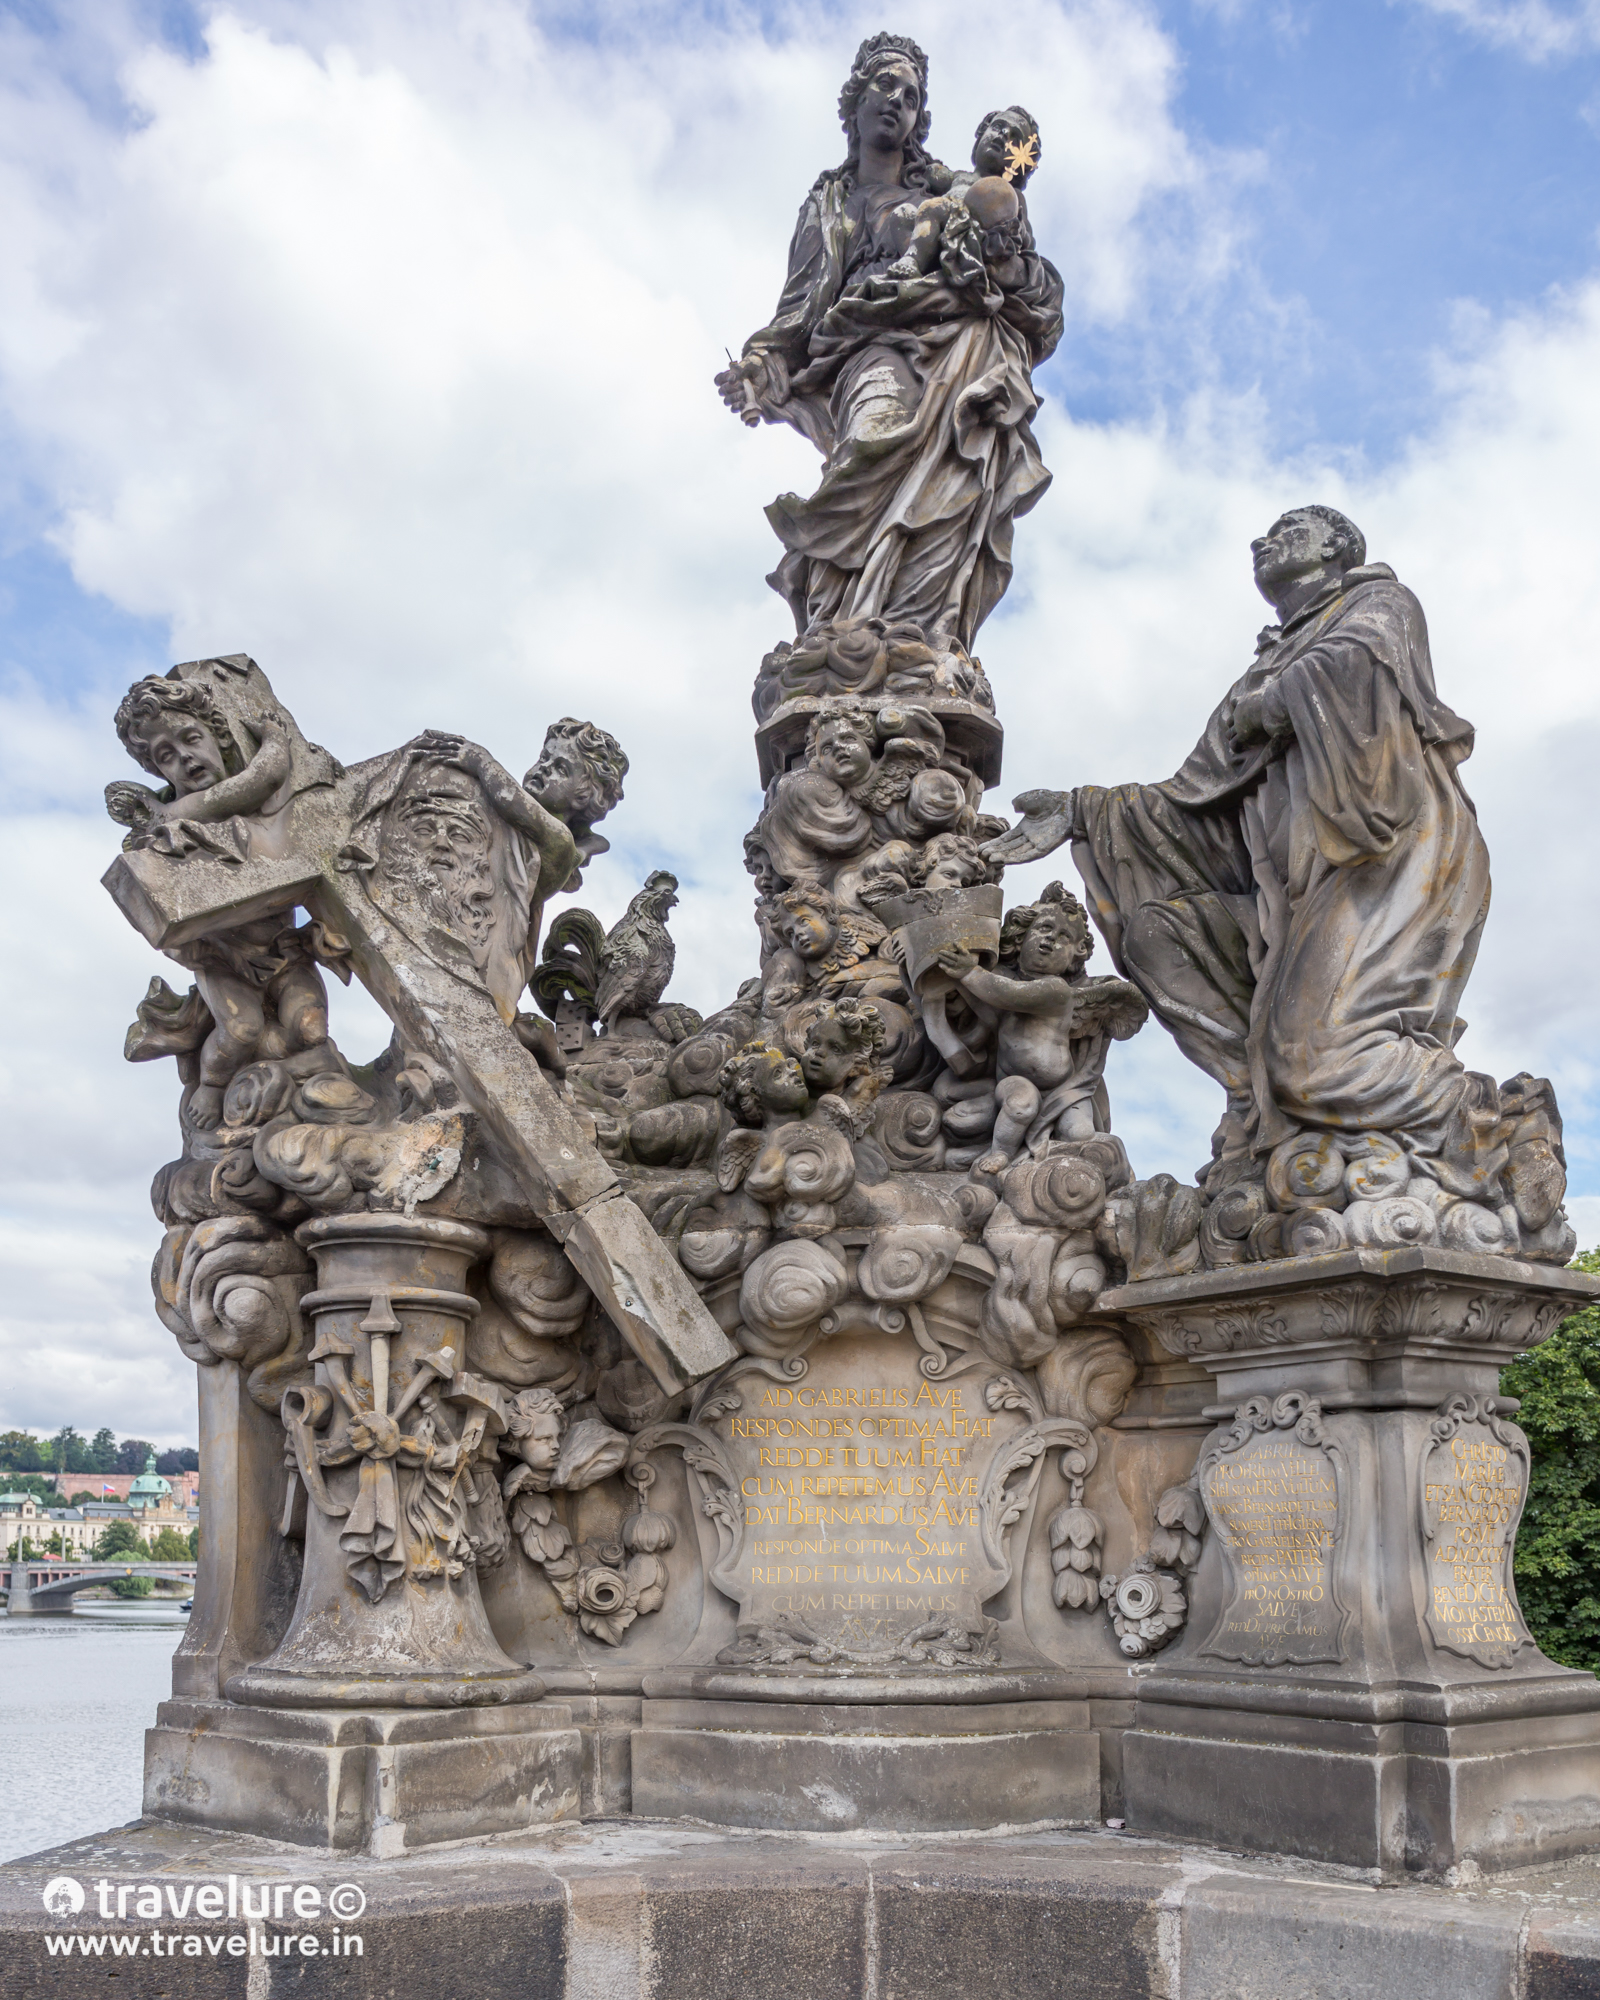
(436, 848)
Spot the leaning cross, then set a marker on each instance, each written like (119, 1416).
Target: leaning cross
(299, 855)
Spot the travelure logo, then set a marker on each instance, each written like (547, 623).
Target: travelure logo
(63, 1897)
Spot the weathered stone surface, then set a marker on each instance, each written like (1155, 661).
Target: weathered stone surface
(1356, 1683)
(383, 1781)
(683, 1913)
(814, 1393)
(808, 1767)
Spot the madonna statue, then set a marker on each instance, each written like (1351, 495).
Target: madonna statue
(915, 311)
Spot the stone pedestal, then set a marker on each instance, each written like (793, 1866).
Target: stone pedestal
(381, 1714)
(869, 1501)
(1356, 1683)
(819, 1756)
(382, 1782)
(389, 1614)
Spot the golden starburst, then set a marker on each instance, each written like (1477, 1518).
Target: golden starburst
(1020, 158)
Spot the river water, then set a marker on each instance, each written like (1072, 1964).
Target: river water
(76, 1696)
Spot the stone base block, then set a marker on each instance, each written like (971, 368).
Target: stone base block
(812, 1767)
(674, 1913)
(1390, 1798)
(385, 1782)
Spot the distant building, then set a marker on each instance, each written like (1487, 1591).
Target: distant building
(22, 1518)
(118, 1485)
(151, 1504)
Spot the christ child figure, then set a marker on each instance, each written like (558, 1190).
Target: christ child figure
(1053, 1026)
(1004, 155)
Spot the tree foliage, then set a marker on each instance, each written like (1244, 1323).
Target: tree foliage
(40, 1485)
(1558, 1545)
(21, 1451)
(120, 1538)
(170, 1545)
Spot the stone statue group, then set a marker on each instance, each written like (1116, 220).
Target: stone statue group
(505, 1297)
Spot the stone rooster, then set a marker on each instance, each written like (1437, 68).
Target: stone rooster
(636, 962)
(615, 973)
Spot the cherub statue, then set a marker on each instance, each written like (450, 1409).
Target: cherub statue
(764, 1087)
(983, 218)
(828, 946)
(841, 1058)
(259, 980)
(812, 821)
(578, 778)
(1052, 1027)
(177, 726)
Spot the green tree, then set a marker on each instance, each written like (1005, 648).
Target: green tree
(1558, 1544)
(120, 1539)
(19, 1452)
(132, 1586)
(132, 1453)
(194, 1544)
(103, 1451)
(170, 1546)
(39, 1484)
(68, 1452)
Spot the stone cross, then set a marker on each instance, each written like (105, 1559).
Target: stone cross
(302, 855)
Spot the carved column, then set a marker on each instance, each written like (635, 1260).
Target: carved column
(389, 1611)
(1356, 1682)
(387, 1717)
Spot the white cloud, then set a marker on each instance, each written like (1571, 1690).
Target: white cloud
(1528, 28)
(379, 342)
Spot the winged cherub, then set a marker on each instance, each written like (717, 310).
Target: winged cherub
(1052, 1024)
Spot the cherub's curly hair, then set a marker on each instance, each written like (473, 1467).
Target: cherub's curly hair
(1020, 921)
(843, 708)
(603, 758)
(809, 895)
(150, 701)
(737, 1083)
(1024, 174)
(522, 1408)
(873, 53)
(865, 1027)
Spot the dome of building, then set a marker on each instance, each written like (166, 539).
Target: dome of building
(149, 1489)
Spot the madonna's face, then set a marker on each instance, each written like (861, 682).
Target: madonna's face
(890, 105)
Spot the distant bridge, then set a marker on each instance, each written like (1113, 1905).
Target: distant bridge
(45, 1584)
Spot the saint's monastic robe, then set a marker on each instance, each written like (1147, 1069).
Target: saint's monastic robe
(1303, 912)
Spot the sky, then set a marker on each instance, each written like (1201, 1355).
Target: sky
(376, 340)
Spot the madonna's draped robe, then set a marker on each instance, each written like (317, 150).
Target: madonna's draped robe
(919, 394)
(1303, 913)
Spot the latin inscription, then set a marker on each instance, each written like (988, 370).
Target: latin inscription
(861, 1498)
(1472, 1495)
(1275, 1506)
